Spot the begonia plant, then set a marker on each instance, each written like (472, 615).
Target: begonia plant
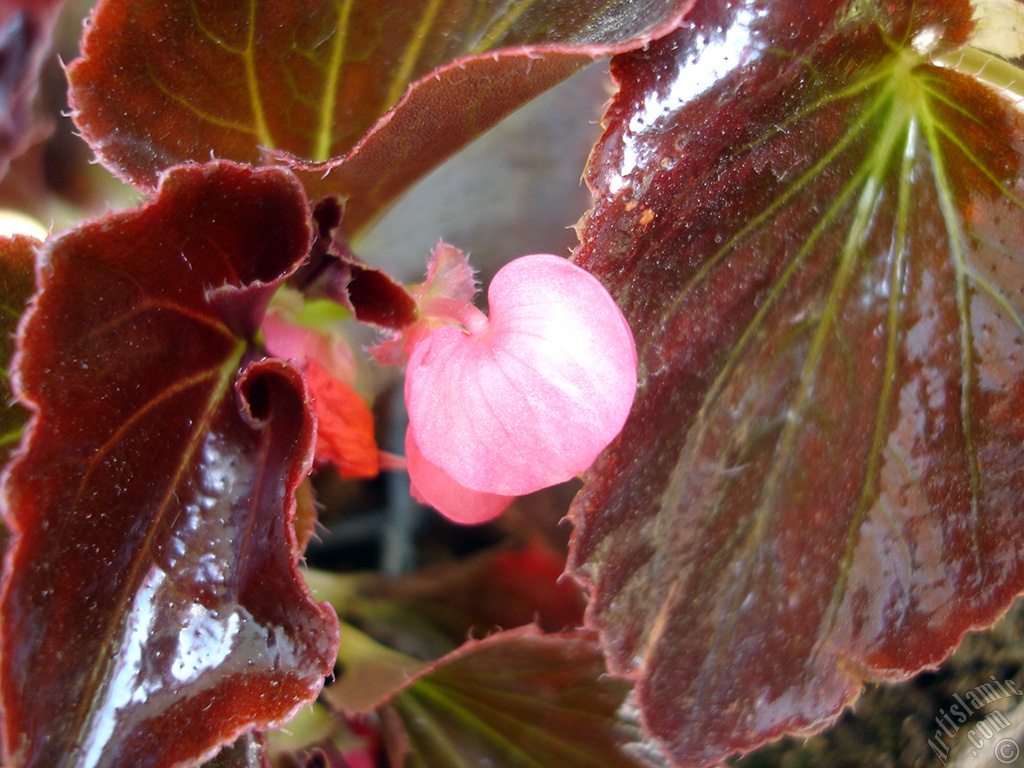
(779, 371)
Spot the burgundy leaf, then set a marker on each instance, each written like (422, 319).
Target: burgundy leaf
(17, 282)
(517, 698)
(815, 233)
(334, 272)
(441, 113)
(152, 610)
(163, 81)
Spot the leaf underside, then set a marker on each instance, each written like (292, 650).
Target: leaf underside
(815, 233)
(166, 81)
(517, 698)
(152, 610)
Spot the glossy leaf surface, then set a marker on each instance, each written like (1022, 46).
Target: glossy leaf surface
(17, 282)
(518, 698)
(163, 81)
(152, 609)
(815, 233)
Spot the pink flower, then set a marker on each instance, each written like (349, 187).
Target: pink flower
(432, 485)
(507, 405)
(345, 432)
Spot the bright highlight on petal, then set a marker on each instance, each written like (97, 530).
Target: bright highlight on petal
(529, 398)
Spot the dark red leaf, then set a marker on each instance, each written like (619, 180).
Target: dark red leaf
(17, 282)
(816, 234)
(164, 81)
(334, 272)
(441, 114)
(152, 610)
(518, 698)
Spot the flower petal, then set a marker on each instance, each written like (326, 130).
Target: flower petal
(292, 341)
(432, 485)
(532, 398)
(344, 433)
(448, 275)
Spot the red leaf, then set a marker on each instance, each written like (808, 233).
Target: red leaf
(312, 78)
(815, 232)
(334, 272)
(152, 610)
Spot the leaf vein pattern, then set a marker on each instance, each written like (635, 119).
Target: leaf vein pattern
(418, 720)
(868, 495)
(328, 100)
(764, 216)
(467, 713)
(165, 394)
(403, 72)
(753, 534)
(212, 36)
(956, 245)
(965, 150)
(220, 122)
(555, 742)
(256, 101)
(93, 689)
(869, 179)
(526, 700)
(500, 27)
(150, 305)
